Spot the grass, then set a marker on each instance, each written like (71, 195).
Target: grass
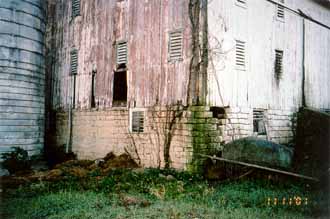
(187, 196)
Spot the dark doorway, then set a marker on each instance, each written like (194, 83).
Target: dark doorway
(120, 86)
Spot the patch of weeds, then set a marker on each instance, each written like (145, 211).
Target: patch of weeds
(150, 193)
(95, 173)
(107, 184)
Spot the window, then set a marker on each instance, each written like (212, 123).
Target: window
(137, 121)
(75, 8)
(240, 54)
(175, 45)
(278, 64)
(74, 62)
(121, 52)
(280, 10)
(241, 3)
(259, 121)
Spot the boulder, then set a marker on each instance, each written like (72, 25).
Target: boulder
(259, 151)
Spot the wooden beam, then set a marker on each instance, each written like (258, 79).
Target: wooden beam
(260, 167)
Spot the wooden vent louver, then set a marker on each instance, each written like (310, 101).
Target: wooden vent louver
(138, 121)
(122, 53)
(175, 45)
(75, 8)
(240, 54)
(280, 10)
(278, 64)
(74, 62)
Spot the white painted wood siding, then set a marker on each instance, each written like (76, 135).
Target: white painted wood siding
(263, 32)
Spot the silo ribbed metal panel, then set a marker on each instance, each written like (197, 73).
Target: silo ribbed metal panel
(22, 74)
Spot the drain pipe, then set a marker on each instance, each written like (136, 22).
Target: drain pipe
(72, 89)
(303, 64)
(69, 136)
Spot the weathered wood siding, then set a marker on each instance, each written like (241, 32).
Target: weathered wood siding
(263, 32)
(145, 25)
(317, 86)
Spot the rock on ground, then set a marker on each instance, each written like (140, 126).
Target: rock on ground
(259, 151)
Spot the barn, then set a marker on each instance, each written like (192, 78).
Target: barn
(164, 80)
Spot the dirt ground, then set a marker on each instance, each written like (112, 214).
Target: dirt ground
(71, 168)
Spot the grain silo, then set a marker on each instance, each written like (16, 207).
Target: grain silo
(22, 74)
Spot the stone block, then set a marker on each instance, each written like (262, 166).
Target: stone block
(199, 108)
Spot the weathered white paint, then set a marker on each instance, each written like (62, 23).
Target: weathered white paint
(263, 32)
(317, 66)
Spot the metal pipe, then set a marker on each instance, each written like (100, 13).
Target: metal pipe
(69, 137)
(260, 167)
(303, 65)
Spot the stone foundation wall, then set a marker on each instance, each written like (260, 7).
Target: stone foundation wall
(193, 131)
(282, 125)
(97, 132)
(237, 123)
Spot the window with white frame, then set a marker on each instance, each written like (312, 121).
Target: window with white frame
(137, 120)
(259, 118)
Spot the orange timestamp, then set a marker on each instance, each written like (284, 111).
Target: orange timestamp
(289, 201)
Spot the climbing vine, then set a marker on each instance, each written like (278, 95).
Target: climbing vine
(197, 84)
